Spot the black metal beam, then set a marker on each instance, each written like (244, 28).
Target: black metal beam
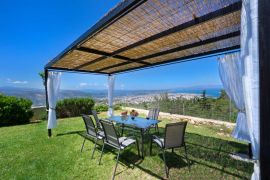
(104, 56)
(113, 66)
(218, 13)
(46, 88)
(46, 95)
(76, 70)
(182, 59)
(116, 13)
(188, 46)
(93, 51)
(264, 70)
(180, 48)
(210, 16)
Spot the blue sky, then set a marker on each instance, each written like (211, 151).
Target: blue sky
(33, 32)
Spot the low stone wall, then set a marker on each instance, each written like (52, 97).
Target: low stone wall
(190, 119)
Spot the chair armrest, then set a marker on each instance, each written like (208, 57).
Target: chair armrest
(158, 139)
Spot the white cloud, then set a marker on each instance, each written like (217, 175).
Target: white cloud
(19, 82)
(122, 86)
(83, 84)
(16, 81)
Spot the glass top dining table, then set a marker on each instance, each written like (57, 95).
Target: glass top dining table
(137, 122)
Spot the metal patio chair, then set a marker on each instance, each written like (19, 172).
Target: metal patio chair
(96, 118)
(153, 114)
(174, 138)
(91, 132)
(112, 139)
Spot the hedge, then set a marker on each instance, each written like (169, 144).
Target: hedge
(73, 107)
(14, 110)
(104, 107)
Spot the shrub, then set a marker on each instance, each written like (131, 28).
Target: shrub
(104, 107)
(14, 110)
(117, 107)
(72, 107)
(101, 107)
(40, 113)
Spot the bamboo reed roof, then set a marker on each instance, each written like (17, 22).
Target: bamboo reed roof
(138, 34)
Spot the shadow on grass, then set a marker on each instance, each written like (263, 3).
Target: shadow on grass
(205, 151)
(81, 133)
(19, 124)
(210, 152)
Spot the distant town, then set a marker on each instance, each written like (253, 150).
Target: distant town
(37, 96)
(137, 99)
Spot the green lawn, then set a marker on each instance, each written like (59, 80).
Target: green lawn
(27, 153)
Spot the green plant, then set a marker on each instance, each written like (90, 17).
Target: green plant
(117, 107)
(104, 107)
(72, 107)
(15, 110)
(40, 113)
(101, 107)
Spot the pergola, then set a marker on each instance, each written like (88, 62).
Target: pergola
(139, 34)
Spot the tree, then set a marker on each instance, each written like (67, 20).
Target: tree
(205, 101)
(223, 95)
(144, 105)
(42, 75)
(204, 94)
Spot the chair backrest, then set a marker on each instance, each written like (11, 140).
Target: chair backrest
(94, 113)
(111, 136)
(175, 135)
(153, 113)
(89, 125)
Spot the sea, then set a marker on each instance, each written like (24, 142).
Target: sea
(209, 92)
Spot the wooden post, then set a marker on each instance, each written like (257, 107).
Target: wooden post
(47, 102)
(264, 67)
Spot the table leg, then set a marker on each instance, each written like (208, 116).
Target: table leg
(142, 145)
(122, 130)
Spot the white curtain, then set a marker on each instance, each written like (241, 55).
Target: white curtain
(231, 72)
(250, 58)
(53, 86)
(111, 80)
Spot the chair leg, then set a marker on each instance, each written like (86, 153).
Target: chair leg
(101, 153)
(122, 130)
(116, 164)
(157, 129)
(165, 166)
(151, 142)
(94, 149)
(187, 157)
(142, 148)
(137, 144)
(83, 145)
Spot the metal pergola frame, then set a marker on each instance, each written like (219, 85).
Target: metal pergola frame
(124, 8)
(264, 61)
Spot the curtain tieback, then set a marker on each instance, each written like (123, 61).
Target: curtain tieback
(242, 111)
(52, 108)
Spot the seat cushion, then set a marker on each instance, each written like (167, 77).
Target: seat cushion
(101, 135)
(126, 141)
(159, 141)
